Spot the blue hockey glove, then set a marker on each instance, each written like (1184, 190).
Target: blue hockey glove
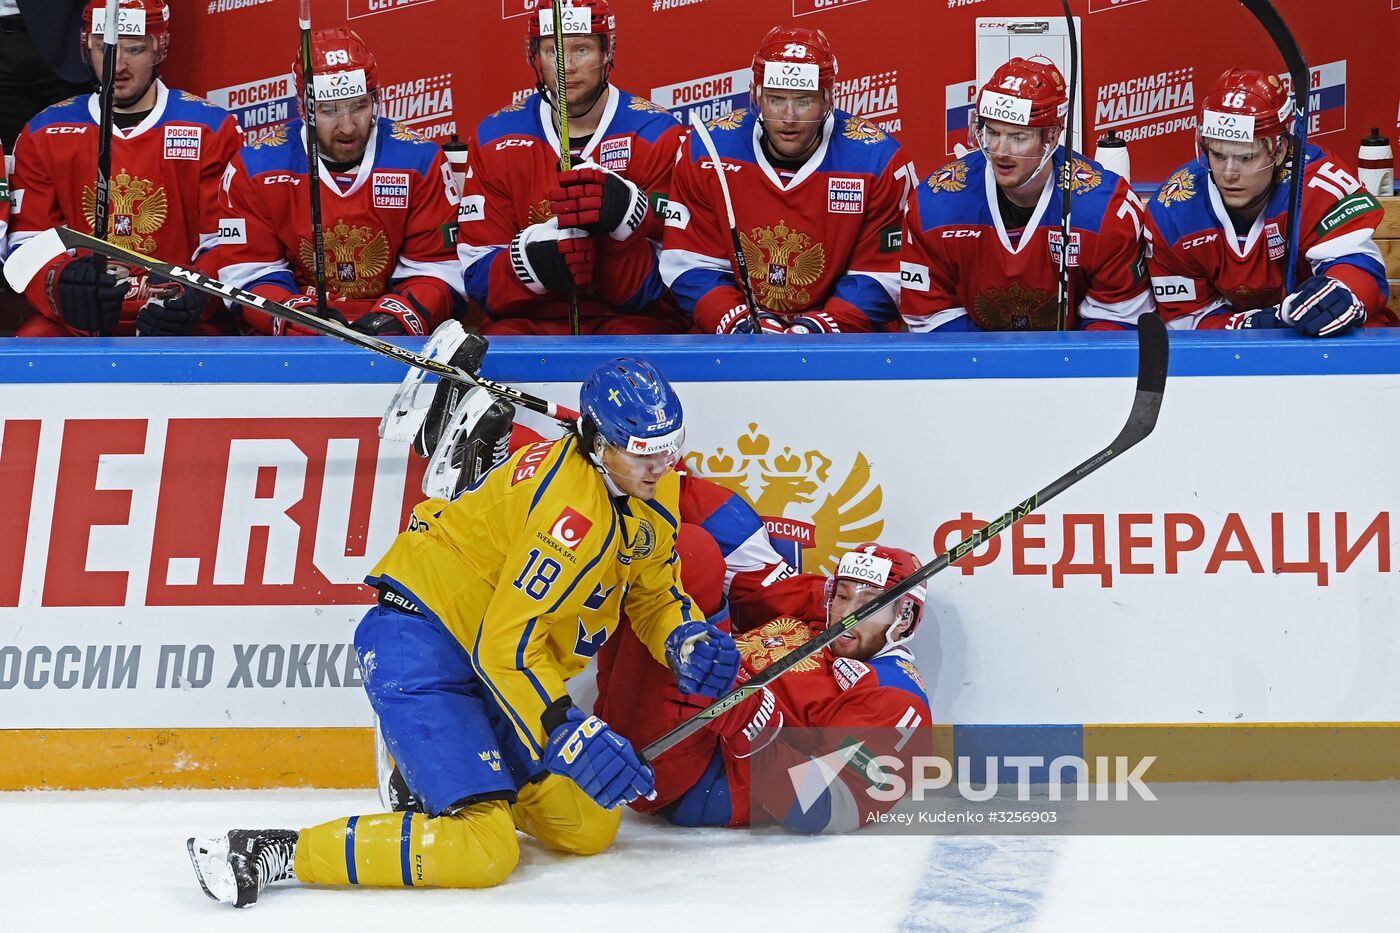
(704, 659)
(601, 762)
(1323, 307)
(1257, 319)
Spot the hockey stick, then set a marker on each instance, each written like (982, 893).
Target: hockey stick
(1062, 295)
(566, 158)
(40, 249)
(1151, 381)
(313, 158)
(102, 195)
(741, 265)
(101, 206)
(1273, 24)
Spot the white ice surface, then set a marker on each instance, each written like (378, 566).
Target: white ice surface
(115, 860)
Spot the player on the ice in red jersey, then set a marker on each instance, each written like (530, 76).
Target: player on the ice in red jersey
(4, 206)
(982, 236)
(865, 680)
(388, 204)
(530, 234)
(817, 197)
(169, 151)
(1219, 225)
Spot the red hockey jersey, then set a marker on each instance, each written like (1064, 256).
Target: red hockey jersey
(164, 198)
(392, 228)
(962, 270)
(4, 205)
(824, 239)
(513, 162)
(1202, 271)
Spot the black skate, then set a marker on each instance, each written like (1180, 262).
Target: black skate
(474, 438)
(401, 798)
(449, 394)
(234, 868)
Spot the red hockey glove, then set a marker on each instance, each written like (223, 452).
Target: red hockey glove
(305, 303)
(738, 321)
(813, 322)
(594, 199)
(394, 316)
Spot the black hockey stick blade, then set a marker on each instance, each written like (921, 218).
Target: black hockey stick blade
(67, 238)
(1147, 403)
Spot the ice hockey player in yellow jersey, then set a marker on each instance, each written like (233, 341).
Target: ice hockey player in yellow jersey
(487, 605)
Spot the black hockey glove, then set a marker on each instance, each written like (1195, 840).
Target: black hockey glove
(173, 311)
(89, 297)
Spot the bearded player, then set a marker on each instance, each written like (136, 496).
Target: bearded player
(1219, 225)
(865, 680)
(530, 234)
(387, 196)
(982, 236)
(169, 152)
(817, 197)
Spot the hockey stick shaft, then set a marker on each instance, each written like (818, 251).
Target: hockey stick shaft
(193, 278)
(1147, 402)
(1268, 16)
(102, 202)
(1062, 296)
(566, 157)
(741, 265)
(313, 157)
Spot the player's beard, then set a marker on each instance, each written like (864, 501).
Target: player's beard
(130, 100)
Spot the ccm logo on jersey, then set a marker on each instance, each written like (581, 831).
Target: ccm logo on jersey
(390, 189)
(1174, 288)
(707, 163)
(570, 528)
(281, 178)
(182, 142)
(509, 143)
(64, 130)
(472, 207)
(233, 230)
(960, 233)
(845, 195)
(1199, 241)
(913, 276)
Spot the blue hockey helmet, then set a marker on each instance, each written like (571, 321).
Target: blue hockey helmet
(628, 403)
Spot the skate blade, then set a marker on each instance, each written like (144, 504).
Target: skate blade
(407, 411)
(210, 860)
(440, 478)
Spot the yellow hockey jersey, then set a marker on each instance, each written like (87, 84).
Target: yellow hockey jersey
(529, 571)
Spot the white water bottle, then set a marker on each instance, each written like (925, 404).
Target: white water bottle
(456, 152)
(1376, 165)
(1112, 154)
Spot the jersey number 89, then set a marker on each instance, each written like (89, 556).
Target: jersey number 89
(538, 584)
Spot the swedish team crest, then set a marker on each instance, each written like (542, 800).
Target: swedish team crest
(813, 511)
(784, 262)
(137, 209)
(861, 130)
(772, 641)
(358, 256)
(1179, 188)
(951, 177)
(644, 541)
(730, 121)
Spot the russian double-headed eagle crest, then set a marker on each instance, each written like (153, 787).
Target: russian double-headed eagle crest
(406, 134)
(1178, 188)
(861, 130)
(771, 641)
(783, 262)
(269, 136)
(137, 209)
(729, 121)
(1086, 177)
(814, 514)
(1015, 307)
(951, 177)
(357, 257)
